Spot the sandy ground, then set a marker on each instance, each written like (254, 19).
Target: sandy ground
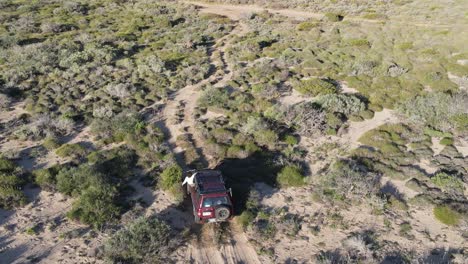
(59, 240)
(357, 129)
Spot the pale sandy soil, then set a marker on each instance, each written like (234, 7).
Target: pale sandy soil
(461, 81)
(462, 147)
(346, 89)
(54, 242)
(52, 245)
(306, 244)
(293, 98)
(436, 146)
(357, 129)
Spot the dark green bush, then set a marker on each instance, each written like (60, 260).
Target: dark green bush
(170, 180)
(170, 176)
(46, 178)
(12, 179)
(51, 143)
(96, 205)
(146, 240)
(74, 151)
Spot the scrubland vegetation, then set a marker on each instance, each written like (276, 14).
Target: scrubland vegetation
(93, 76)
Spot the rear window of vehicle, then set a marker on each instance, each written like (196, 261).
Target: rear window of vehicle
(213, 201)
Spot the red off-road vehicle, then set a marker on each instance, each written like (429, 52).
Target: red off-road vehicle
(212, 201)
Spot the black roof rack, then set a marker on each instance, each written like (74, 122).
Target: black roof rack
(209, 181)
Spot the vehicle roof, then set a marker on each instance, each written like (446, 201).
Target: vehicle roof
(210, 181)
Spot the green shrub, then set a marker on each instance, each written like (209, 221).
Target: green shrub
(342, 103)
(333, 17)
(73, 151)
(32, 231)
(448, 182)
(246, 218)
(358, 42)
(117, 128)
(46, 178)
(290, 176)
(146, 240)
(436, 133)
(96, 206)
(315, 87)
(446, 141)
(266, 137)
(405, 229)
(7, 165)
(291, 140)
(397, 204)
(446, 215)
(437, 110)
(367, 114)
(356, 118)
(460, 121)
(236, 152)
(12, 180)
(51, 143)
(306, 26)
(98, 186)
(170, 176)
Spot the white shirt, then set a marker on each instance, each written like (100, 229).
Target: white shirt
(189, 180)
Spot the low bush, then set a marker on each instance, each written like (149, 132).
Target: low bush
(291, 140)
(12, 179)
(146, 240)
(96, 205)
(448, 183)
(367, 114)
(446, 215)
(266, 138)
(51, 143)
(446, 141)
(358, 42)
(306, 26)
(347, 179)
(74, 151)
(439, 111)
(170, 180)
(98, 186)
(314, 87)
(290, 176)
(342, 103)
(46, 178)
(333, 17)
(246, 218)
(170, 176)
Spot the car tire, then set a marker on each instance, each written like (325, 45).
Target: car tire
(222, 213)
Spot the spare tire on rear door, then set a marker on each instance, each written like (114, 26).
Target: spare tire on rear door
(222, 213)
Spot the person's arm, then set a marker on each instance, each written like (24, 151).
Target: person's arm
(185, 181)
